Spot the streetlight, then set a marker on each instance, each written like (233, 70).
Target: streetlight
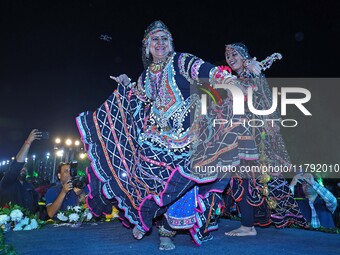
(33, 157)
(68, 142)
(57, 142)
(60, 153)
(33, 166)
(69, 148)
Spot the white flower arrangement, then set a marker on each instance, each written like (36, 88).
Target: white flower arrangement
(17, 218)
(16, 215)
(73, 217)
(75, 214)
(4, 219)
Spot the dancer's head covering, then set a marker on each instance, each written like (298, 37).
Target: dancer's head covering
(153, 28)
(240, 48)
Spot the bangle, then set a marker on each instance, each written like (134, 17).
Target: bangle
(246, 63)
(27, 142)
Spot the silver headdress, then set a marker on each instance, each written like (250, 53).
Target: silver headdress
(153, 28)
(240, 48)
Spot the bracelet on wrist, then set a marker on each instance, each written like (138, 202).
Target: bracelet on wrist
(27, 142)
(246, 63)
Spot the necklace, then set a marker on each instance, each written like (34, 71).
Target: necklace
(158, 62)
(156, 76)
(155, 68)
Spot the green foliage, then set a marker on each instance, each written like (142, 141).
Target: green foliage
(5, 248)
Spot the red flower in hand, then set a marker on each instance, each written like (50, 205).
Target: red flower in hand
(224, 68)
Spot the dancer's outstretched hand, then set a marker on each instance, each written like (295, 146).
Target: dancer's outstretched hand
(254, 67)
(122, 79)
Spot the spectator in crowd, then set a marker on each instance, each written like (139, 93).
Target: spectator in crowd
(320, 203)
(14, 187)
(42, 188)
(59, 197)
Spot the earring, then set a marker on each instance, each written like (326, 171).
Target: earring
(170, 46)
(147, 52)
(147, 48)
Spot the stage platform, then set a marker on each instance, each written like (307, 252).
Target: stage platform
(113, 238)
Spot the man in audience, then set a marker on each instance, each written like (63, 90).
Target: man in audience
(13, 187)
(321, 203)
(59, 197)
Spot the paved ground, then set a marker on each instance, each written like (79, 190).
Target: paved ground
(112, 238)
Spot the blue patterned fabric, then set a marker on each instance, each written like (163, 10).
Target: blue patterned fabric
(182, 214)
(145, 139)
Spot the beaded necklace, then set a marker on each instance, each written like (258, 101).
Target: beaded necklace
(156, 75)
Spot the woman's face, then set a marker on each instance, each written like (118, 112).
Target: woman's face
(159, 46)
(235, 61)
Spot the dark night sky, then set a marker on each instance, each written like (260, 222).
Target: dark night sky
(53, 64)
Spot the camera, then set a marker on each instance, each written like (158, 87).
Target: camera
(77, 181)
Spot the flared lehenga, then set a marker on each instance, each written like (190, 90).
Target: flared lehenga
(267, 192)
(143, 158)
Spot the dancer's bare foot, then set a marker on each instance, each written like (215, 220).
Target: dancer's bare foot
(166, 244)
(138, 234)
(242, 231)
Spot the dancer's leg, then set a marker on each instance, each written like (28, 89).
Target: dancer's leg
(166, 236)
(247, 216)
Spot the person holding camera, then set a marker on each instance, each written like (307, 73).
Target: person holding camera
(66, 193)
(14, 187)
(320, 203)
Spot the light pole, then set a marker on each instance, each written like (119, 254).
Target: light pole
(54, 164)
(60, 154)
(46, 170)
(57, 142)
(33, 167)
(76, 144)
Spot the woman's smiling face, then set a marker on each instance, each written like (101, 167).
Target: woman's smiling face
(159, 46)
(235, 61)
